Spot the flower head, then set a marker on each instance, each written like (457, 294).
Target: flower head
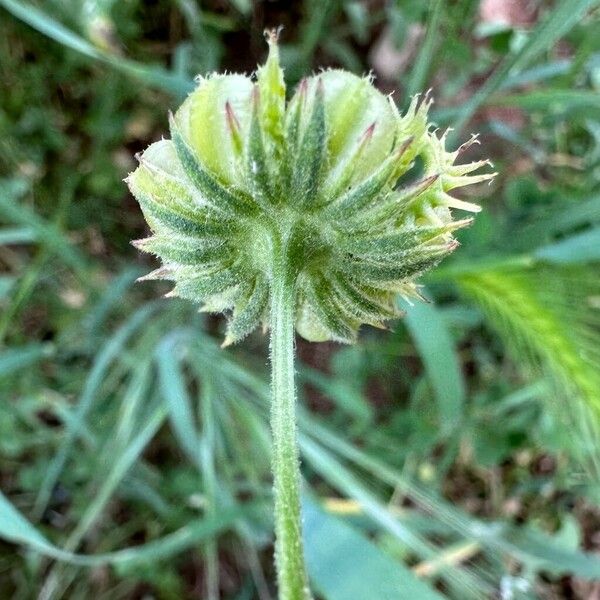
(325, 176)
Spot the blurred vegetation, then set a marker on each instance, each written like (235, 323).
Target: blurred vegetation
(455, 456)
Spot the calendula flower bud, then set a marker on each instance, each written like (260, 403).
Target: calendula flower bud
(245, 174)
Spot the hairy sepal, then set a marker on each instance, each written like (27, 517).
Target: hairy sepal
(248, 312)
(220, 197)
(257, 168)
(311, 155)
(272, 92)
(336, 322)
(200, 286)
(186, 250)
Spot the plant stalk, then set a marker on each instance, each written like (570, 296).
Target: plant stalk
(289, 554)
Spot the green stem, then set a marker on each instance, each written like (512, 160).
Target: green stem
(289, 555)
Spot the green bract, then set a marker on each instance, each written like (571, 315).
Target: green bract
(246, 173)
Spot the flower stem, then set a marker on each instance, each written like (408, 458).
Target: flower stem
(289, 555)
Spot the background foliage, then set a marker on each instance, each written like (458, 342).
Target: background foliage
(455, 456)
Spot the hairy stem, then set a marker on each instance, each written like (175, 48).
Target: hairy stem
(289, 555)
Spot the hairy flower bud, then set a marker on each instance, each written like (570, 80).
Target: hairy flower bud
(327, 175)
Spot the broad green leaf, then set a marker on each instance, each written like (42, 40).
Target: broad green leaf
(580, 213)
(343, 564)
(345, 481)
(546, 553)
(530, 546)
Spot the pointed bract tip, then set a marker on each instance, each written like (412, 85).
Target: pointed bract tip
(427, 100)
(272, 34)
(160, 273)
(403, 147)
(459, 224)
(172, 122)
(303, 87)
(444, 135)
(227, 341)
(409, 296)
(460, 204)
(474, 139)
(428, 181)
(255, 96)
(368, 134)
(232, 120)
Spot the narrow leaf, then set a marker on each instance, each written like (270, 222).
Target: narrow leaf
(435, 346)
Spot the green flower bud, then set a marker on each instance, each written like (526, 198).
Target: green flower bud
(246, 174)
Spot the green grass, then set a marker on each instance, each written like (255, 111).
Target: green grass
(455, 455)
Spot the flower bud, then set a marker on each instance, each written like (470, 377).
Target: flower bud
(321, 176)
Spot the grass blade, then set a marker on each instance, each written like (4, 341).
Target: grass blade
(102, 362)
(14, 359)
(422, 65)
(436, 348)
(578, 248)
(173, 388)
(556, 24)
(47, 233)
(558, 101)
(15, 528)
(17, 235)
(45, 24)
